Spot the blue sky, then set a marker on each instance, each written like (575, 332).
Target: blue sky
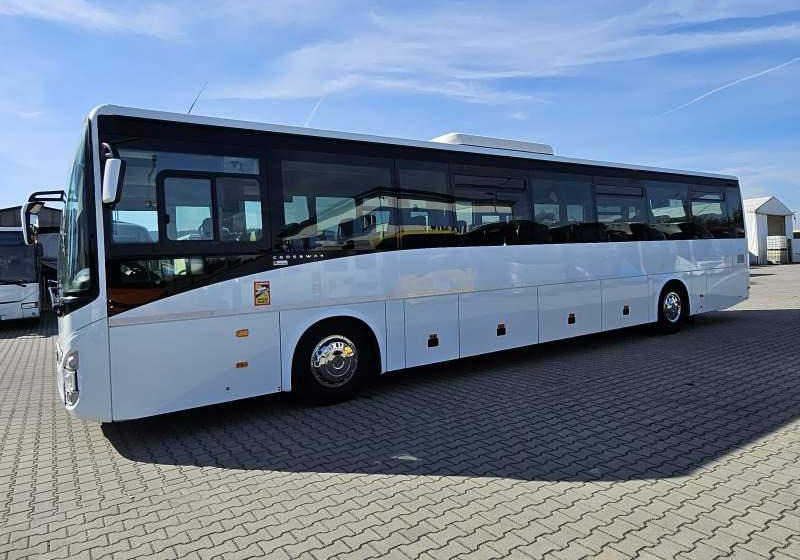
(708, 85)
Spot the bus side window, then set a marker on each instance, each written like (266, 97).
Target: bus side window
(622, 209)
(332, 203)
(239, 209)
(188, 209)
(669, 210)
(425, 206)
(735, 212)
(493, 209)
(134, 219)
(710, 213)
(563, 202)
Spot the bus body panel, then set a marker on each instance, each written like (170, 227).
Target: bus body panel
(569, 309)
(94, 379)
(498, 320)
(195, 331)
(395, 335)
(431, 329)
(626, 302)
(200, 325)
(440, 271)
(725, 286)
(193, 363)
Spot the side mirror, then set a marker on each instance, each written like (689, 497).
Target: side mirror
(113, 175)
(30, 209)
(112, 180)
(30, 222)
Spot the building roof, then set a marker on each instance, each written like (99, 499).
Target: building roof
(766, 205)
(48, 217)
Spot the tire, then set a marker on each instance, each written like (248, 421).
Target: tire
(672, 306)
(331, 362)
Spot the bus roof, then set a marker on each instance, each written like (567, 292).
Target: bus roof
(114, 110)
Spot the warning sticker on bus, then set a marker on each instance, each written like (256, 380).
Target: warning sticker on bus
(260, 293)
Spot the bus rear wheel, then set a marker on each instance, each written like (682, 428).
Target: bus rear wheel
(331, 362)
(672, 309)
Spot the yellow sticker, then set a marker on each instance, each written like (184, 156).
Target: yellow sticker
(261, 293)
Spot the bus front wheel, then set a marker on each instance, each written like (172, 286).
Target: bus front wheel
(331, 362)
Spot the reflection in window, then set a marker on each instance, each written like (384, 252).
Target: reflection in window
(710, 214)
(188, 209)
(625, 217)
(135, 282)
(492, 211)
(563, 202)
(735, 212)
(669, 209)
(17, 260)
(426, 211)
(331, 206)
(239, 214)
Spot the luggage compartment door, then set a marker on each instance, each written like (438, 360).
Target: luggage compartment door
(626, 302)
(498, 320)
(431, 325)
(567, 310)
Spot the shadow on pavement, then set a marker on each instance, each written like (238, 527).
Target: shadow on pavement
(27, 328)
(614, 406)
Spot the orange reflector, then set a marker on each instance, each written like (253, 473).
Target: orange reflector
(240, 365)
(241, 333)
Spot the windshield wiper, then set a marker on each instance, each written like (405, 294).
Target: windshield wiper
(13, 282)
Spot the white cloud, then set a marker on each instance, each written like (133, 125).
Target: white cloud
(171, 19)
(472, 54)
(156, 19)
(732, 84)
(31, 115)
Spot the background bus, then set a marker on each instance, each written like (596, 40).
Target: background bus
(204, 260)
(19, 277)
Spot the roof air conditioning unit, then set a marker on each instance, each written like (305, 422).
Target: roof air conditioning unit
(495, 143)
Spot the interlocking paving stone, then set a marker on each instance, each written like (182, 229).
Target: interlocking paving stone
(623, 444)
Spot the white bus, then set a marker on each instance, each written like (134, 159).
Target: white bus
(19, 277)
(205, 260)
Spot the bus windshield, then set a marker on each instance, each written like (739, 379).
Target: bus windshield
(17, 260)
(74, 273)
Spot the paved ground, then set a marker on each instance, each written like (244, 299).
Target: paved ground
(617, 445)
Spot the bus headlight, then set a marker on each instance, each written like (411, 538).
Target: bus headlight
(30, 305)
(71, 378)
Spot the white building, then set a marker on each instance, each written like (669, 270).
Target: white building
(769, 225)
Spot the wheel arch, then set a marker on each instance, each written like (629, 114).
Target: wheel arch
(677, 283)
(296, 324)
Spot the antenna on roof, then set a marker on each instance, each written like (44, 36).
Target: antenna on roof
(199, 93)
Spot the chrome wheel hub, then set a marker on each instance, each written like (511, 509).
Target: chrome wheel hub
(334, 361)
(672, 307)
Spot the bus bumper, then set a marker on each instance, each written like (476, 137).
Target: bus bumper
(19, 310)
(82, 372)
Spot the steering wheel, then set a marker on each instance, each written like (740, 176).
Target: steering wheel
(137, 273)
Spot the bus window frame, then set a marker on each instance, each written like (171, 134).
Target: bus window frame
(201, 247)
(172, 249)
